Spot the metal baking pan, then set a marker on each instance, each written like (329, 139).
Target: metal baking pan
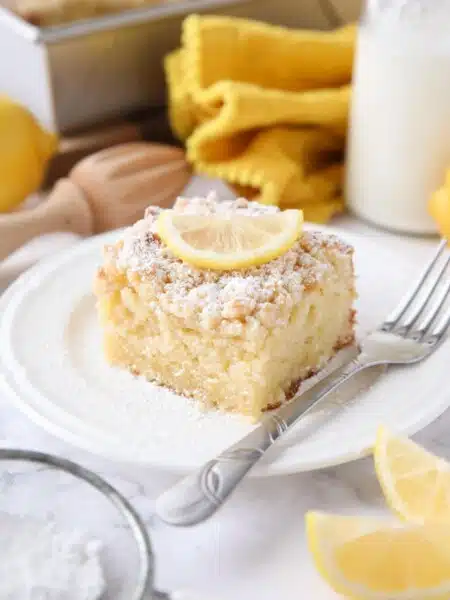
(75, 75)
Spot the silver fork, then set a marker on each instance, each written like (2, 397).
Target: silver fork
(407, 336)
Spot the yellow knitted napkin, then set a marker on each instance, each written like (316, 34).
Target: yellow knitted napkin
(264, 108)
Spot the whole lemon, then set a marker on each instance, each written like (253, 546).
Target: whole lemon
(25, 150)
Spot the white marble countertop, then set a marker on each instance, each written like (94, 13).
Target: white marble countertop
(254, 549)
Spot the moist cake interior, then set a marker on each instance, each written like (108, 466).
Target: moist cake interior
(240, 341)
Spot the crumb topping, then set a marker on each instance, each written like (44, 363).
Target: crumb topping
(268, 291)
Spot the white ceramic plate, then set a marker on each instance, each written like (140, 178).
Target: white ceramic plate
(51, 364)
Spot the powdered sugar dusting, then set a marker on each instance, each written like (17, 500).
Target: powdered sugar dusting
(110, 412)
(123, 403)
(205, 297)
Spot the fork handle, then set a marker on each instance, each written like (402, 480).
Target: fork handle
(199, 495)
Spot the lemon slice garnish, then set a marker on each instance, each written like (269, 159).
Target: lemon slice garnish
(416, 483)
(225, 242)
(376, 559)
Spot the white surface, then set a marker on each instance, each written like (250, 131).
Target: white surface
(41, 560)
(254, 549)
(125, 418)
(399, 141)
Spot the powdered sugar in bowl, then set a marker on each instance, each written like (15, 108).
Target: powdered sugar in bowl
(67, 534)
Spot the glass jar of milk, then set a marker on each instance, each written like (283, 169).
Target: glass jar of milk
(399, 137)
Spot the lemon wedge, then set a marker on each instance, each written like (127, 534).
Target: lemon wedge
(415, 482)
(226, 242)
(376, 559)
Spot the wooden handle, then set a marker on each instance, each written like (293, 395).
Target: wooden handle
(65, 209)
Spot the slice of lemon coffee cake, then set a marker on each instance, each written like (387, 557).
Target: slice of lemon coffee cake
(230, 303)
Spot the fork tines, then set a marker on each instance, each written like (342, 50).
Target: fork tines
(424, 313)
